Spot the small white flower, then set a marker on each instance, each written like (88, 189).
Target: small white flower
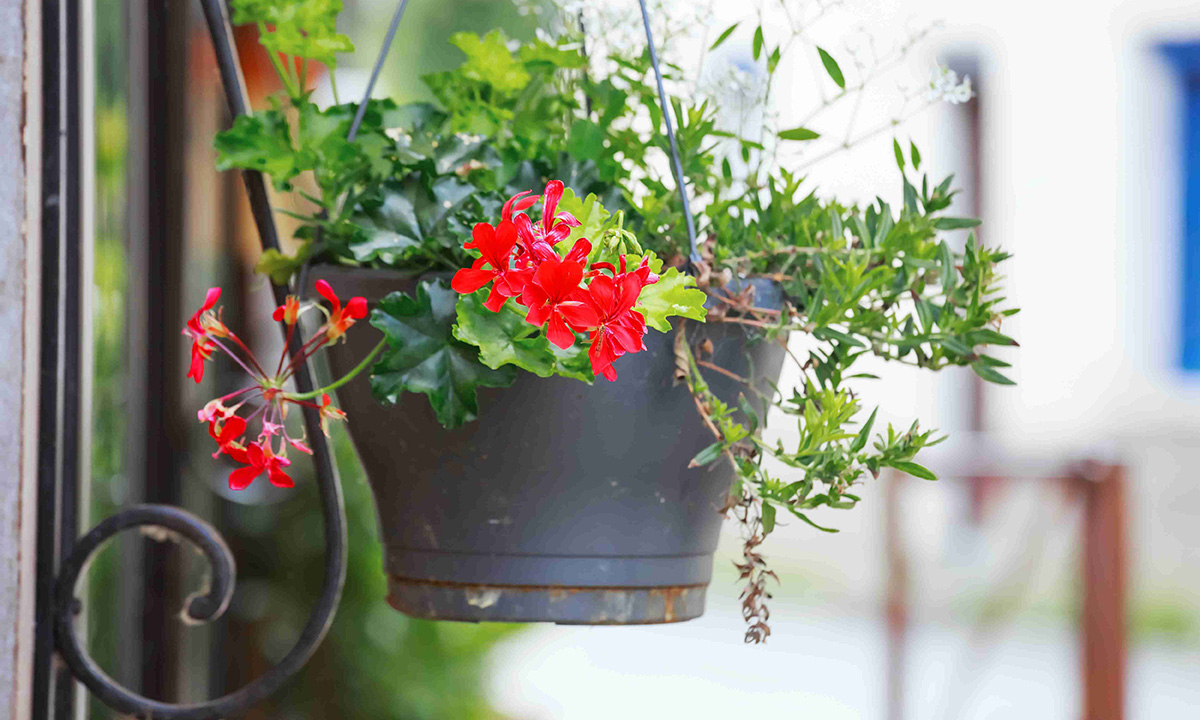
(944, 85)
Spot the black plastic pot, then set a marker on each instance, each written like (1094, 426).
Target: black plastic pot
(563, 502)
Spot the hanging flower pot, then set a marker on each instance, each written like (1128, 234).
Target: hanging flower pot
(544, 441)
(563, 502)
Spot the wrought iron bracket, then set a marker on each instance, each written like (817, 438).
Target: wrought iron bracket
(161, 520)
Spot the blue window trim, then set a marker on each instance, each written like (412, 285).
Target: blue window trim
(1185, 58)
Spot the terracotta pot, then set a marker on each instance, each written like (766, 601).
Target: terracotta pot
(563, 502)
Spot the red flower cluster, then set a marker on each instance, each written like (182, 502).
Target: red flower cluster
(563, 294)
(268, 452)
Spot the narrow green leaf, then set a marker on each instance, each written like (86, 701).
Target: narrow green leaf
(949, 273)
(707, 455)
(799, 133)
(832, 68)
(912, 468)
(724, 36)
(758, 41)
(860, 440)
(953, 223)
(899, 154)
(916, 155)
(990, 374)
(768, 518)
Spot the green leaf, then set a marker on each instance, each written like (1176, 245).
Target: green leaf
(768, 518)
(799, 133)
(916, 155)
(280, 267)
(586, 140)
(949, 272)
(707, 455)
(489, 61)
(953, 223)
(899, 154)
(832, 68)
(806, 519)
(423, 356)
(990, 374)
(912, 468)
(503, 338)
(673, 294)
(758, 41)
(592, 216)
(860, 440)
(956, 346)
(409, 216)
(724, 36)
(262, 142)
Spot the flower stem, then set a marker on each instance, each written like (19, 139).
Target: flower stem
(343, 380)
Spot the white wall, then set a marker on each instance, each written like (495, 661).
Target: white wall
(18, 364)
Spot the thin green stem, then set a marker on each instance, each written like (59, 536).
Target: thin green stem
(284, 77)
(344, 379)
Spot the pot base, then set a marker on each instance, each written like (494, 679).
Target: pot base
(560, 605)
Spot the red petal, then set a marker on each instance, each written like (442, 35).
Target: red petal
(517, 204)
(210, 299)
(538, 314)
(231, 430)
(554, 191)
(357, 308)
(277, 316)
(467, 281)
(557, 234)
(481, 235)
(279, 478)
(241, 478)
(579, 251)
(503, 243)
(568, 219)
(327, 292)
(558, 332)
(601, 289)
(580, 316)
(495, 300)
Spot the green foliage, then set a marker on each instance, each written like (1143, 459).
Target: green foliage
(423, 356)
(673, 295)
(300, 28)
(503, 338)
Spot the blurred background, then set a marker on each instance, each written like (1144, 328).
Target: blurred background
(966, 598)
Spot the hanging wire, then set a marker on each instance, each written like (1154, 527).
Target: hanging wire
(383, 51)
(302, 280)
(676, 164)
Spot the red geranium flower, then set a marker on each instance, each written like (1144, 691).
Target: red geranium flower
(554, 295)
(620, 328)
(226, 432)
(539, 240)
(198, 329)
(340, 318)
(495, 246)
(258, 459)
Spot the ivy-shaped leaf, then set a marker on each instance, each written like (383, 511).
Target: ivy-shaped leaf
(503, 338)
(261, 142)
(489, 61)
(423, 356)
(674, 294)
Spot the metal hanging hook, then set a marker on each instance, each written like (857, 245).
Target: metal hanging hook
(676, 163)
